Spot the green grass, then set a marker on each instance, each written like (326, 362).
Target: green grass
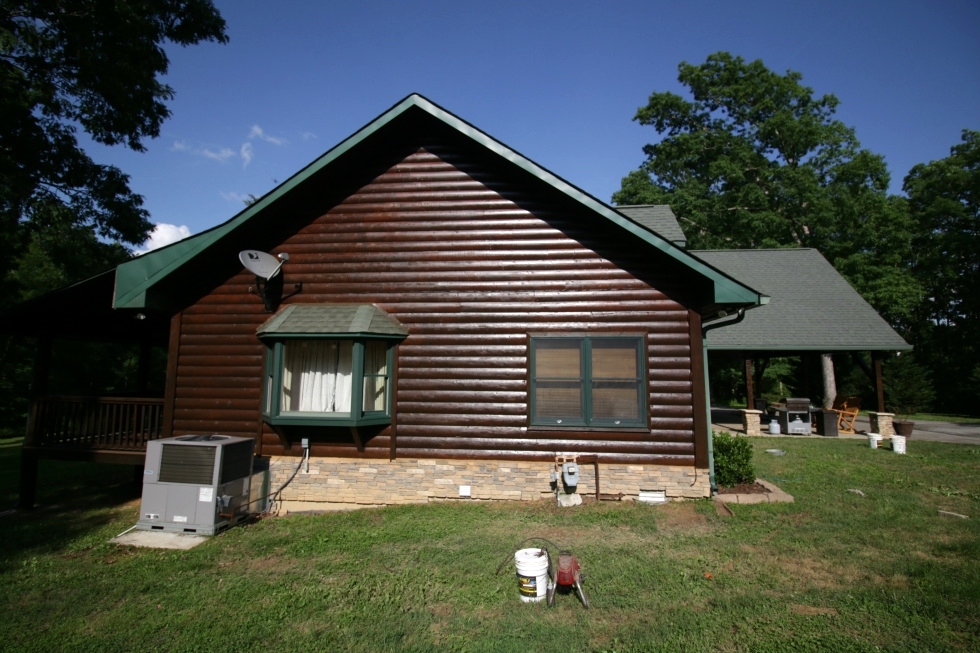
(834, 571)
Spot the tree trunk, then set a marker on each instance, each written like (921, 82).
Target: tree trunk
(829, 381)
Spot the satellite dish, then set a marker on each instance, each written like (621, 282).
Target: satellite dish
(259, 263)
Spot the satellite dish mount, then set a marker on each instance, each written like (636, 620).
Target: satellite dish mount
(268, 276)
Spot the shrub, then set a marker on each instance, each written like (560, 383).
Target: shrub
(733, 460)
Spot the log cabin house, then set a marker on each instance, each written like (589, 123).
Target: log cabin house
(449, 319)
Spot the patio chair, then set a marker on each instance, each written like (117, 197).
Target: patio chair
(847, 411)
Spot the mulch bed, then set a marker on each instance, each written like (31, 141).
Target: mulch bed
(744, 488)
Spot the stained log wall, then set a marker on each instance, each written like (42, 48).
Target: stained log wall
(472, 263)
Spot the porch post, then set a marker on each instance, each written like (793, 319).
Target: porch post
(749, 383)
(879, 382)
(28, 456)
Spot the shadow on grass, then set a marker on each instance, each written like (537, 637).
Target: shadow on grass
(73, 498)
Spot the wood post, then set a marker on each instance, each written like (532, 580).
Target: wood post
(749, 384)
(879, 383)
(28, 479)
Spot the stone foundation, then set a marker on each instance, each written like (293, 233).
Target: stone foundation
(882, 423)
(343, 483)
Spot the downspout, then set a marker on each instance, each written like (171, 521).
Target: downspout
(707, 390)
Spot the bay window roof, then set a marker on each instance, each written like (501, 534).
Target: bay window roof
(332, 319)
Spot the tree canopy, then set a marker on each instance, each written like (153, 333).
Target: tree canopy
(92, 65)
(944, 198)
(754, 159)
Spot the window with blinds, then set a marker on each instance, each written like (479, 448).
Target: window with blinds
(587, 381)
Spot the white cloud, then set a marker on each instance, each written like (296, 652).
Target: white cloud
(162, 235)
(247, 152)
(180, 146)
(309, 136)
(232, 196)
(259, 133)
(221, 155)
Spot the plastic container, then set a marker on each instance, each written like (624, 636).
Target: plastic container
(532, 574)
(874, 439)
(898, 443)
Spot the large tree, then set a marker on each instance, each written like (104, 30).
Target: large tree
(754, 159)
(944, 199)
(93, 65)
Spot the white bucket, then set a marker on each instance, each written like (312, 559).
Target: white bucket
(898, 443)
(532, 574)
(874, 439)
(773, 427)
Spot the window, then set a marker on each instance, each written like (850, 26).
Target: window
(324, 380)
(329, 364)
(587, 381)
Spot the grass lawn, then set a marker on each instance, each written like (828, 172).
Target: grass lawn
(834, 571)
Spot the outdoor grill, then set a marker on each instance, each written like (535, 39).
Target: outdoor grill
(795, 418)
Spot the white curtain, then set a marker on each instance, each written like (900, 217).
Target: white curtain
(375, 375)
(317, 376)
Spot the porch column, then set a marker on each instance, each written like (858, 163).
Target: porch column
(879, 382)
(28, 457)
(749, 384)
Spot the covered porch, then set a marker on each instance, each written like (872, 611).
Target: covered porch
(111, 427)
(813, 312)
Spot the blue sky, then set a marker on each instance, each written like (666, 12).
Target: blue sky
(557, 81)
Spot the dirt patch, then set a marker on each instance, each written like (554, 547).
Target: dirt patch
(810, 610)
(744, 488)
(682, 516)
(818, 573)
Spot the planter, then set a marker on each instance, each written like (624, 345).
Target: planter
(903, 427)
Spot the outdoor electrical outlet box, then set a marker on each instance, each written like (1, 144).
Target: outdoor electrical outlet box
(306, 443)
(569, 472)
(464, 490)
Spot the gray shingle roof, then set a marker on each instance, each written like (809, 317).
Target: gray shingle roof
(332, 319)
(811, 307)
(658, 218)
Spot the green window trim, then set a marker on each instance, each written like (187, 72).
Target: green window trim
(274, 395)
(580, 381)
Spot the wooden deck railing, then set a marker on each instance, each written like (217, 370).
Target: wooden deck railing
(95, 422)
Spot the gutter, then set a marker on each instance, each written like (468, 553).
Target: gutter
(707, 390)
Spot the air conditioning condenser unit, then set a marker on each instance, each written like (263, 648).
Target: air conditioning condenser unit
(196, 483)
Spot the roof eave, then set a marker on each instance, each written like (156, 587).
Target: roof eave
(136, 277)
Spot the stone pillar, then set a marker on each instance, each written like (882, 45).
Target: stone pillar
(751, 422)
(881, 423)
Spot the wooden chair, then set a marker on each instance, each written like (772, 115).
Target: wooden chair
(847, 411)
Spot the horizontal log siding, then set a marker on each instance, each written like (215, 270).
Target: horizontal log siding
(471, 274)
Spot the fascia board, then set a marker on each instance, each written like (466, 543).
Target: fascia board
(726, 290)
(133, 278)
(813, 348)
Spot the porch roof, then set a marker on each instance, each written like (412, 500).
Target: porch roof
(813, 308)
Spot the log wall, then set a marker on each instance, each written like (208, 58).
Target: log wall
(472, 264)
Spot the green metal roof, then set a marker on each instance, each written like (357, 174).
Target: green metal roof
(134, 279)
(812, 307)
(332, 319)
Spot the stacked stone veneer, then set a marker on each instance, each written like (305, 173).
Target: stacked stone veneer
(882, 423)
(341, 483)
(751, 422)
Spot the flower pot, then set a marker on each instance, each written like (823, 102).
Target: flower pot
(903, 427)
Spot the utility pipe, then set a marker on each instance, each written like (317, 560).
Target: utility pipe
(707, 390)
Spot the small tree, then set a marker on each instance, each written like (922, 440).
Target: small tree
(908, 386)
